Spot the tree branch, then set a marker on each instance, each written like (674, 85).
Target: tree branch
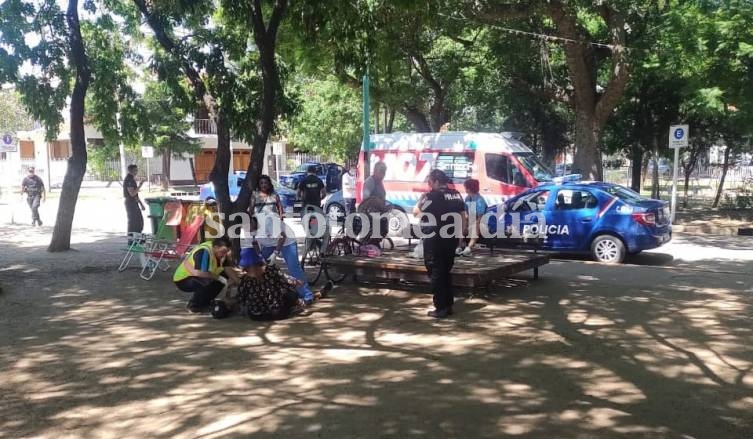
(620, 71)
(492, 14)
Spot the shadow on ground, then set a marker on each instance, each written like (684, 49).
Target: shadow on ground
(586, 351)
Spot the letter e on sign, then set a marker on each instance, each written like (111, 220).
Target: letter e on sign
(678, 136)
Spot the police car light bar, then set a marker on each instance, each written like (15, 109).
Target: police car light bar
(565, 178)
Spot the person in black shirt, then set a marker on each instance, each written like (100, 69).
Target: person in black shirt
(33, 187)
(439, 251)
(133, 202)
(311, 191)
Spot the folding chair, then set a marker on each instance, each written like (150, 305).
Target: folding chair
(165, 251)
(142, 243)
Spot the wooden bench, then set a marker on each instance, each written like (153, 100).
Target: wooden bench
(477, 271)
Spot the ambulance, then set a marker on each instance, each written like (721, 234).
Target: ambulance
(503, 165)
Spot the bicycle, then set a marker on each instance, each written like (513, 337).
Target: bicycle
(316, 251)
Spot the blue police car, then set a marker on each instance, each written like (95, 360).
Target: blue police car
(607, 220)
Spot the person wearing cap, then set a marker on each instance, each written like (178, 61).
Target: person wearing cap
(33, 187)
(439, 251)
(311, 191)
(201, 273)
(265, 293)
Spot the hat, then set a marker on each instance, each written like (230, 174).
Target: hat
(31, 169)
(249, 257)
(311, 169)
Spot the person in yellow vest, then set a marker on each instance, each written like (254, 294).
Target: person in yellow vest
(204, 272)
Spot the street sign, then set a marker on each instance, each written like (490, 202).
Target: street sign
(678, 136)
(8, 143)
(147, 152)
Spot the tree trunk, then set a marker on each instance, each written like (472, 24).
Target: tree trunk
(221, 169)
(166, 159)
(587, 160)
(61, 234)
(725, 167)
(636, 166)
(390, 121)
(418, 119)
(655, 168)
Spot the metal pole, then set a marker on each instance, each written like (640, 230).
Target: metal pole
(674, 185)
(366, 129)
(148, 176)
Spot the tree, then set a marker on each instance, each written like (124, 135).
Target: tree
(593, 38)
(237, 80)
(58, 58)
(13, 115)
(329, 119)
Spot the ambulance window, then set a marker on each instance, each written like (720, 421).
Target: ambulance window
(457, 166)
(500, 168)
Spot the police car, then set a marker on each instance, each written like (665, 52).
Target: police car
(607, 220)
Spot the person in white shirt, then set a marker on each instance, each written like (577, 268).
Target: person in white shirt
(349, 189)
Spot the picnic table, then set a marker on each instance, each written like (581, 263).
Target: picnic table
(477, 271)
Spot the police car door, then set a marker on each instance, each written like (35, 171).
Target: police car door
(570, 218)
(525, 218)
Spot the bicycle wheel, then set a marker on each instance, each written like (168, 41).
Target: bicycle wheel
(311, 261)
(337, 247)
(387, 244)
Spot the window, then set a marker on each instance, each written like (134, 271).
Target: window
(568, 199)
(457, 166)
(539, 171)
(500, 168)
(27, 149)
(624, 194)
(534, 201)
(60, 149)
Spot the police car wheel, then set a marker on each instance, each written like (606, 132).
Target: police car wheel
(608, 249)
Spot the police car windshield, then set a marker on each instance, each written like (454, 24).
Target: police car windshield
(533, 165)
(624, 193)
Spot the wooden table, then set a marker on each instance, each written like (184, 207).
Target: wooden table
(477, 271)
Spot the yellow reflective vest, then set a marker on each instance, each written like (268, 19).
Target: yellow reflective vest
(215, 267)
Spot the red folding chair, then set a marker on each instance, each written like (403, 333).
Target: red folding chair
(163, 252)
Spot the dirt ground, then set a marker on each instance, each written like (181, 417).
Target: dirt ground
(660, 347)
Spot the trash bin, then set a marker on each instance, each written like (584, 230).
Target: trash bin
(157, 210)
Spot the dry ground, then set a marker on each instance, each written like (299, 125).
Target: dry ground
(658, 349)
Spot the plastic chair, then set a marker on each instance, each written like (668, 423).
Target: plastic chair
(165, 251)
(142, 243)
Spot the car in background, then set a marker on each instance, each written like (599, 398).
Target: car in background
(329, 173)
(607, 220)
(237, 179)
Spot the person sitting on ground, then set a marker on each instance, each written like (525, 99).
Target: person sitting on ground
(271, 247)
(201, 270)
(264, 293)
(476, 207)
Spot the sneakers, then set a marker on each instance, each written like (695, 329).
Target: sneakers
(458, 251)
(440, 313)
(466, 252)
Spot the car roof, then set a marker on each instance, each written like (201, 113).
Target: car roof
(577, 184)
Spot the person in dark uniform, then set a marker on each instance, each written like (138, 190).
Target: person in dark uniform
(33, 187)
(133, 202)
(439, 251)
(311, 191)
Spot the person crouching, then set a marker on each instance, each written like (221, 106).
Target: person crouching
(200, 273)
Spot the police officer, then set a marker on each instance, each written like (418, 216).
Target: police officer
(133, 202)
(439, 250)
(312, 191)
(33, 187)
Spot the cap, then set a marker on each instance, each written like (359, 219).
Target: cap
(31, 169)
(311, 168)
(249, 257)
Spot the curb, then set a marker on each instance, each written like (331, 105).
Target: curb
(705, 229)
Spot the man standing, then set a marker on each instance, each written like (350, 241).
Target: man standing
(349, 190)
(133, 202)
(374, 185)
(439, 251)
(311, 191)
(33, 187)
